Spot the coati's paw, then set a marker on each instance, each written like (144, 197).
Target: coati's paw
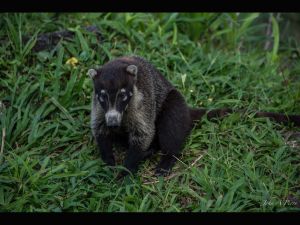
(162, 172)
(109, 162)
(122, 175)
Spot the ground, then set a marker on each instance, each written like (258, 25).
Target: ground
(49, 162)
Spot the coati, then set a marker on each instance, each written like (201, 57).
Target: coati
(135, 106)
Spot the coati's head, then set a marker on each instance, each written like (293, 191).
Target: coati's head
(113, 86)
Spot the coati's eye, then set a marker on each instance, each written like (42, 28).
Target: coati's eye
(123, 95)
(101, 99)
(102, 96)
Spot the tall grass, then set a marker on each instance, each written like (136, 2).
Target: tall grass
(49, 162)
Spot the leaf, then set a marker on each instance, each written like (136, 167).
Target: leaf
(276, 34)
(84, 45)
(183, 77)
(247, 22)
(29, 45)
(174, 41)
(63, 109)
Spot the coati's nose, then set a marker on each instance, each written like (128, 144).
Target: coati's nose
(112, 122)
(113, 118)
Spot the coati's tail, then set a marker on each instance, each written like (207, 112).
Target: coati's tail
(197, 114)
(281, 118)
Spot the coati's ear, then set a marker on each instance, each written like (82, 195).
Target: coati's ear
(92, 73)
(132, 69)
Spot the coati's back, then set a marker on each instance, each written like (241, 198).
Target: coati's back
(150, 83)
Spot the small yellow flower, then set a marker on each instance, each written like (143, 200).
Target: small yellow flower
(72, 61)
(191, 90)
(210, 99)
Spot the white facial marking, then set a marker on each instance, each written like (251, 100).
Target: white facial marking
(100, 97)
(113, 114)
(123, 91)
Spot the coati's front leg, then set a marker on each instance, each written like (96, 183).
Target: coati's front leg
(138, 150)
(106, 149)
(134, 156)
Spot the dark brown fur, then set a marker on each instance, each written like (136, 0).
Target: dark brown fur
(157, 117)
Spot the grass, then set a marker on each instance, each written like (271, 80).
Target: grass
(48, 160)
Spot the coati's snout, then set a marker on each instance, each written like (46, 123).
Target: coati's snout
(114, 103)
(113, 118)
(113, 90)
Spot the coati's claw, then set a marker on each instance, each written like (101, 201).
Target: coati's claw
(109, 162)
(162, 172)
(121, 175)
